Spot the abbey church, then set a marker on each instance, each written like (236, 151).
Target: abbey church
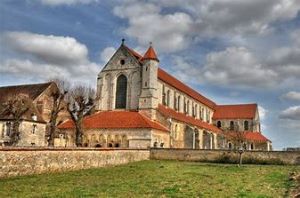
(139, 105)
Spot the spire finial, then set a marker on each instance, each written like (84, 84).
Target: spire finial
(150, 43)
(123, 41)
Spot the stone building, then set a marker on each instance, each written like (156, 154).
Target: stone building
(34, 122)
(141, 105)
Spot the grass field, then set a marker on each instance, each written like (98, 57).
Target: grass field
(156, 179)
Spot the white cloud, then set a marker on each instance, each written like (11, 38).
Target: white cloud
(48, 48)
(262, 112)
(292, 95)
(291, 113)
(107, 53)
(169, 32)
(172, 24)
(43, 57)
(286, 59)
(238, 67)
(66, 2)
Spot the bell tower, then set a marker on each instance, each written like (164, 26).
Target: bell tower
(148, 101)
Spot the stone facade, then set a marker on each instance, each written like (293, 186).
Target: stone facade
(15, 162)
(121, 138)
(31, 133)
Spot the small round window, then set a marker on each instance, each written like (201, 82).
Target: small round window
(122, 62)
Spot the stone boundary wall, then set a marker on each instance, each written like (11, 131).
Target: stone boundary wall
(27, 161)
(270, 157)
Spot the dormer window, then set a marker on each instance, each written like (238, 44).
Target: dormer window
(34, 117)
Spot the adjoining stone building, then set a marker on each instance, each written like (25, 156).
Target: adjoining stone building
(33, 126)
(141, 105)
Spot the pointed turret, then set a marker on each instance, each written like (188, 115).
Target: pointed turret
(150, 54)
(148, 101)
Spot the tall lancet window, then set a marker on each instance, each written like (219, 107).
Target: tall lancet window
(121, 92)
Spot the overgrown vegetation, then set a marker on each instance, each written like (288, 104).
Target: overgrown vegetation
(229, 159)
(157, 179)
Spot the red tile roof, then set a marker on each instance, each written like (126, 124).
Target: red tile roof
(115, 119)
(250, 136)
(172, 81)
(134, 53)
(240, 111)
(168, 112)
(150, 54)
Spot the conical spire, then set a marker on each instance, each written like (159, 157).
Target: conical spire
(150, 54)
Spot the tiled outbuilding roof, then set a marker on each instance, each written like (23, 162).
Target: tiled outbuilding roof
(116, 120)
(28, 115)
(249, 135)
(170, 113)
(239, 111)
(31, 90)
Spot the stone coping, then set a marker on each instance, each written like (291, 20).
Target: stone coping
(68, 149)
(221, 150)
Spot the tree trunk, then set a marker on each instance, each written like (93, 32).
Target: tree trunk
(14, 136)
(78, 128)
(240, 158)
(52, 129)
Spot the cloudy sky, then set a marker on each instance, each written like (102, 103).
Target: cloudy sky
(232, 51)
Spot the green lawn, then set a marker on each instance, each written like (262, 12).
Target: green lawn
(156, 179)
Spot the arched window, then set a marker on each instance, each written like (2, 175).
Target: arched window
(168, 98)
(219, 124)
(178, 103)
(246, 125)
(176, 133)
(193, 110)
(229, 145)
(231, 125)
(121, 93)
(184, 106)
(163, 95)
(252, 146)
(175, 102)
(200, 113)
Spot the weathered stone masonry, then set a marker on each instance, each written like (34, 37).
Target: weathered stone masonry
(14, 162)
(27, 161)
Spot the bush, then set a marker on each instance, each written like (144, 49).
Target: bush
(230, 159)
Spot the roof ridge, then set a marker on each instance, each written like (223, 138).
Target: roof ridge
(240, 104)
(151, 121)
(33, 84)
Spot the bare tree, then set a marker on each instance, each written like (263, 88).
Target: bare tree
(58, 105)
(14, 107)
(238, 138)
(81, 101)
